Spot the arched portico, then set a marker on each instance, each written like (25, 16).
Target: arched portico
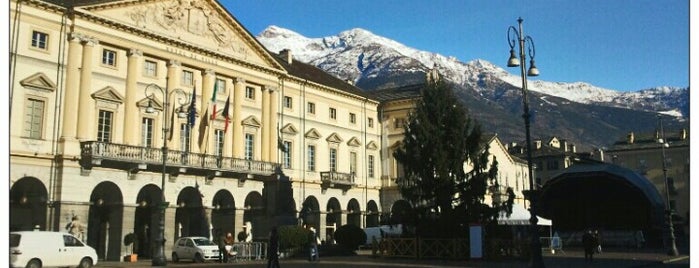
(255, 214)
(223, 214)
(372, 214)
(105, 221)
(310, 212)
(400, 212)
(146, 219)
(28, 197)
(190, 215)
(354, 213)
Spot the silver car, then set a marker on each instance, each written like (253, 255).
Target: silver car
(195, 248)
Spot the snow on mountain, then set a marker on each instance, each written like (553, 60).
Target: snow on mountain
(357, 53)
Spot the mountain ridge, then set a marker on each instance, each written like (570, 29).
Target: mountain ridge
(374, 62)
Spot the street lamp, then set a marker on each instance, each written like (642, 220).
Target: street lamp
(663, 143)
(514, 36)
(159, 245)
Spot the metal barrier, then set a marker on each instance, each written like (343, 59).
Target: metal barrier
(554, 244)
(248, 251)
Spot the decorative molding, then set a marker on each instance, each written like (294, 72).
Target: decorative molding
(39, 81)
(251, 121)
(108, 94)
(372, 146)
(354, 142)
(289, 129)
(334, 138)
(313, 134)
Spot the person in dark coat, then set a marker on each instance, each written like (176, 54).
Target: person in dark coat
(272, 256)
(590, 244)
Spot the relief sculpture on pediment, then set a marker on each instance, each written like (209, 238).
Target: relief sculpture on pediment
(188, 17)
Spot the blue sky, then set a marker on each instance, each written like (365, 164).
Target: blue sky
(621, 44)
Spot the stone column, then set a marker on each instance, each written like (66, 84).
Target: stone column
(72, 93)
(86, 107)
(265, 124)
(238, 225)
(173, 81)
(228, 139)
(273, 131)
(236, 126)
(207, 85)
(131, 122)
(322, 226)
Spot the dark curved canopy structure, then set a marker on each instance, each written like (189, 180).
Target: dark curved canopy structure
(602, 196)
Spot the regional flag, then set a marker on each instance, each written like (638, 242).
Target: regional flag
(225, 114)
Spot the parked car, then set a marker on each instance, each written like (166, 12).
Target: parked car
(198, 249)
(36, 249)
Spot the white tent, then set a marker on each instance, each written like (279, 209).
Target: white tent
(520, 216)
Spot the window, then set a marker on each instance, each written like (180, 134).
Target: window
(184, 137)
(109, 57)
(33, 118)
(288, 102)
(221, 86)
(250, 93)
(104, 126)
(147, 132)
(399, 123)
(370, 166)
(333, 159)
(218, 146)
(249, 146)
(370, 122)
(353, 118)
(40, 40)
(287, 154)
(333, 113)
(311, 158)
(353, 163)
(187, 78)
(150, 68)
(311, 108)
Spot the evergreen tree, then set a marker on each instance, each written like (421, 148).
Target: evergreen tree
(446, 166)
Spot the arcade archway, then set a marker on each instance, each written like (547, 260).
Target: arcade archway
(255, 214)
(333, 218)
(146, 219)
(223, 214)
(190, 216)
(310, 212)
(105, 221)
(28, 197)
(372, 217)
(354, 213)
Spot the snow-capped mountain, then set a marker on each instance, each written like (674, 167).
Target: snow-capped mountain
(360, 56)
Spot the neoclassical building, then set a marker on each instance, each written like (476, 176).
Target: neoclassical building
(116, 105)
(120, 110)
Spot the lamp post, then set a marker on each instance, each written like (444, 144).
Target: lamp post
(663, 143)
(516, 36)
(158, 249)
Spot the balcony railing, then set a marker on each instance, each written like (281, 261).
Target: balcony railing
(95, 153)
(337, 179)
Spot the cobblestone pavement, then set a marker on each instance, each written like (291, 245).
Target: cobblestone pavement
(569, 258)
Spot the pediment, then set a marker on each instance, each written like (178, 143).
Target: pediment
(252, 121)
(334, 138)
(372, 146)
(38, 81)
(353, 142)
(108, 94)
(313, 134)
(202, 23)
(289, 129)
(143, 103)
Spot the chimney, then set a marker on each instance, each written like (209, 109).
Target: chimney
(286, 54)
(629, 138)
(564, 145)
(683, 134)
(599, 154)
(572, 148)
(349, 81)
(537, 144)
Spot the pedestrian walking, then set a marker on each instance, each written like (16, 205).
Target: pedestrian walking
(273, 254)
(589, 244)
(313, 245)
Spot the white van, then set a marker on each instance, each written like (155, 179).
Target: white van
(37, 249)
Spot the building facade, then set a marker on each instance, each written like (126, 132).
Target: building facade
(117, 105)
(642, 153)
